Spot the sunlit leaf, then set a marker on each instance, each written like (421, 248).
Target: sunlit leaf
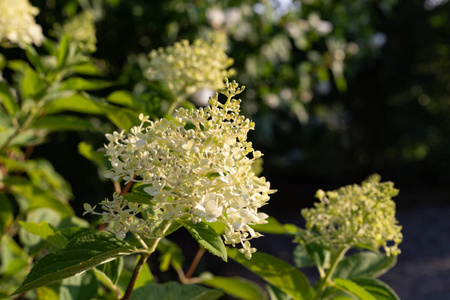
(75, 103)
(8, 100)
(6, 213)
(81, 84)
(365, 264)
(47, 232)
(173, 290)
(34, 58)
(82, 253)
(86, 69)
(63, 123)
(277, 272)
(206, 236)
(353, 289)
(63, 51)
(377, 288)
(171, 254)
(272, 226)
(31, 85)
(237, 287)
(112, 269)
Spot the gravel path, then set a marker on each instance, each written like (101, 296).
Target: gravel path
(423, 268)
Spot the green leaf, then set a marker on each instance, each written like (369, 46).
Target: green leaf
(317, 254)
(72, 232)
(171, 254)
(236, 287)
(82, 253)
(55, 94)
(31, 85)
(73, 221)
(8, 99)
(174, 291)
(63, 51)
(43, 176)
(206, 236)
(38, 198)
(81, 84)
(378, 289)
(352, 288)
(277, 272)
(13, 257)
(219, 227)
(80, 287)
(301, 257)
(63, 123)
(86, 69)
(47, 232)
(138, 198)
(47, 293)
(75, 103)
(123, 118)
(28, 137)
(272, 226)
(276, 294)
(112, 269)
(17, 65)
(124, 98)
(365, 263)
(6, 213)
(34, 58)
(44, 214)
(145, 276)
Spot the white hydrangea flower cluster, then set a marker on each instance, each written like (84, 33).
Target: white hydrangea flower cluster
(355, 216)
(196, 166)
(17, 24)
(81, 29)
(188, 68)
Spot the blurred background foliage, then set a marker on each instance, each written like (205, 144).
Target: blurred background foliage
(338, 89)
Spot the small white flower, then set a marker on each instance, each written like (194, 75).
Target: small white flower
(247, 250)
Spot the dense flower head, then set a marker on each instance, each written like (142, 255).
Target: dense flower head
(355, 216)
(188, 68)
(81, 29)
(196, 166)
(17, 24)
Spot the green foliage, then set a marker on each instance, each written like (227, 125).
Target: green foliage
(82, 253)
(365, 264)
(79, 287)
(6, 214)
(207, 237)
(173, 290)
(276, 272)
(235, 286)
(47, 232)
(352, 288)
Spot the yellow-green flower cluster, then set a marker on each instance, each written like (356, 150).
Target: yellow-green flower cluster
(197, 166)
(355, 216)
(187, 68)
(81, 30)
(17, 24)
